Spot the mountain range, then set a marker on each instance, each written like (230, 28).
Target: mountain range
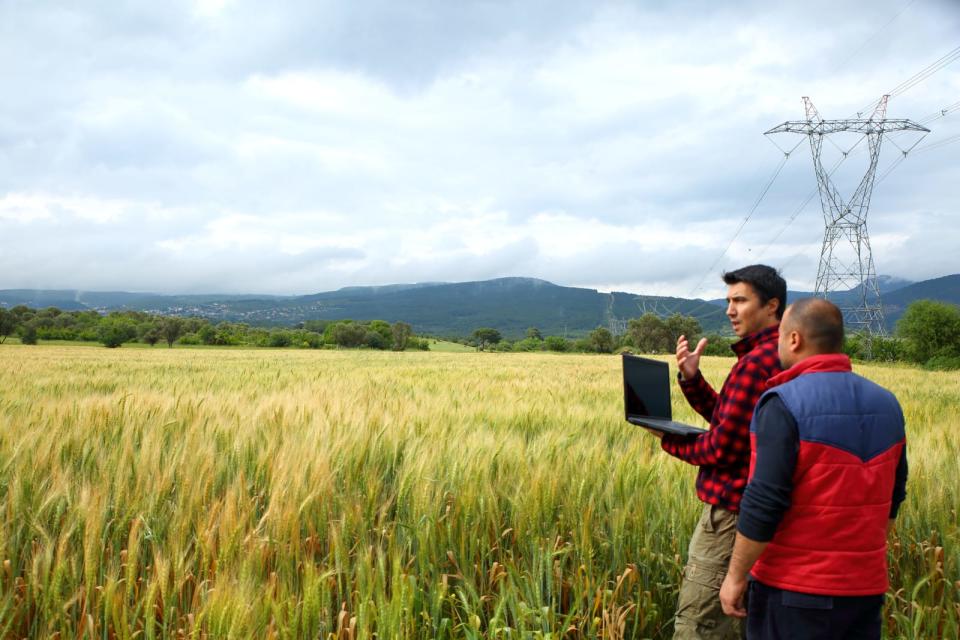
(456, 309)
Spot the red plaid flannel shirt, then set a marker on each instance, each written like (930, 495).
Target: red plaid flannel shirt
(723, 453)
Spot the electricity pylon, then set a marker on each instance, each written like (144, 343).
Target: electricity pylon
(846, 262)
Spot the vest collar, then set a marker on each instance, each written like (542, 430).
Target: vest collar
(824, 363)
(748, 343)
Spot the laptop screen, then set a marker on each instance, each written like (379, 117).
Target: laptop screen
(646, 387)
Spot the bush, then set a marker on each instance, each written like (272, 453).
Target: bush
(346, 334)
(601, 340)
(557, 343)
(582, 345)
(279, 339)
(528, 344)
(189, 338)
(717, 345)
(308, 339)
(943, 363)
(115, 330)
(930, 329)
(28, 333)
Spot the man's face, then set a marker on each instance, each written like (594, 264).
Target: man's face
(747, 314)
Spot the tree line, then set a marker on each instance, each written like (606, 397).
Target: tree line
(119, 327)
(646, 334)
(927, 334)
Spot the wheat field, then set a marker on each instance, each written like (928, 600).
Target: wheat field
(156, 493)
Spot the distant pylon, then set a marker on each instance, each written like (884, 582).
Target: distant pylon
(846, 261)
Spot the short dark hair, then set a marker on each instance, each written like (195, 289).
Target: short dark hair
(820, 322)
(766, 281)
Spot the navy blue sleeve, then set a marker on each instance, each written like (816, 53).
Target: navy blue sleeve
(899, 484)
(767, 496)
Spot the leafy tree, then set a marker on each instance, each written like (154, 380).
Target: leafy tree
(485, 336)
(374, 340)
(114, 330)
(677, 325)
(930, 329)
(348, 334)
(150, 333)
(648, 333)
(316, 326)
(171, 329)
(601, 340)
(651, 334)
(8, 323)
(28, 332)
(207, 334)
(385, 330)
(534, 334)
(401, 332)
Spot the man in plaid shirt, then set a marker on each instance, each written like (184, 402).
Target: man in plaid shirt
(756, 298)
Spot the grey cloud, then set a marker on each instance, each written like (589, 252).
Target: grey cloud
(485, 110)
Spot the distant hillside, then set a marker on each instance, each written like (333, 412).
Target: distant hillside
(945, 289)
(896, 294)
(75, 300)
(446, 309)
(452, 309)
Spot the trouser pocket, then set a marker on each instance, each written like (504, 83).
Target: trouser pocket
(699, 612)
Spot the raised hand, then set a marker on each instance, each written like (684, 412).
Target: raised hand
(689, 361)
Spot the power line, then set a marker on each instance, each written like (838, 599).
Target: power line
(936, 115)
(799, 209)
(743, 223)
(933, 145)
(872, 38)
(938, 144)
(753, 209)
(915, 79)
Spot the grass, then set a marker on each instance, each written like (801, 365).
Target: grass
(444, 346)
(157, 493)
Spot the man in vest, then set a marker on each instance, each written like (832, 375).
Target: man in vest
(828, 473)
(756, 298)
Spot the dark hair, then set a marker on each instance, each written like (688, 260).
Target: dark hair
(766, 281)
(820, 322)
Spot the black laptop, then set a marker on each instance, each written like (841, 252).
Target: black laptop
(646, 396)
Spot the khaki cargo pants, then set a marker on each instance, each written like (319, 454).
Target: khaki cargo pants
(699, 614)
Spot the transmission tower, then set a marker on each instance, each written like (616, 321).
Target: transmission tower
(846, 262)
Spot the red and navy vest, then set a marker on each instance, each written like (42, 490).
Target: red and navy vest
(832, 539)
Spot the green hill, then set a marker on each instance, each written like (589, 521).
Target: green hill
(451, 309)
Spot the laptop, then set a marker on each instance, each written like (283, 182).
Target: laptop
(646, 396)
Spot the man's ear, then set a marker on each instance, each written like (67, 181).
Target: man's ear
(795, 341)
(772, 305)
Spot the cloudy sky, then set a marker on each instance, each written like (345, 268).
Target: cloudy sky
(295, 147)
